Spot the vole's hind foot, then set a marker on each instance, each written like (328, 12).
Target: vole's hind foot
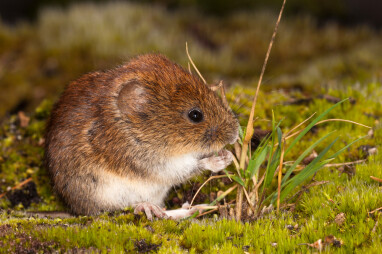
(186, 211)
(217, 163)
(150, 209)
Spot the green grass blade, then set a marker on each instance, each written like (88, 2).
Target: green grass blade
(254, 165)
(312, 168)
(298, 181)
(302, 156)
(307, 128)
(290, 187)
(316, 160)
(251, 168)
(346, 147)
(238, 180)
(272, 166)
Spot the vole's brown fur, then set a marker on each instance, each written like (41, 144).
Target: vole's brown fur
(128, 126)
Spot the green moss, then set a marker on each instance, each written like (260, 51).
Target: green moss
(61, 46)
(315, 213)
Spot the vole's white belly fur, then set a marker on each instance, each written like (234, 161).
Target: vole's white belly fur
(178, 169)
(119, 192)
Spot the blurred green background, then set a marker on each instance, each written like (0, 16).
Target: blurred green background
(321, 43)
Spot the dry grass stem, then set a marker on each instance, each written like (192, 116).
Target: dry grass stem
(280, 174)
(343, 120)
(236, 166)
(237, 151)
(222, 91)
(250, 130)
(239, 202)
(201, 186)
(17, 186)
(375, 227)
(376, 210)
(376, 179)
(219, 86)
(205, 207)
(208, 212)
(254, 194)
(324, 121)
(249, 201)
(297, 126)
(193, 65)
(344, 164)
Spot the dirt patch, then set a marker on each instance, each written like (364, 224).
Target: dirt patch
(143, 247)
(5, 229)
(26, 195)
(26, 244)
(258, 135)
(84, 250)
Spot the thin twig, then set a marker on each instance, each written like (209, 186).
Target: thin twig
(255, 189)
(376, 210)
(300, 167)
(205, 207)
(300, 124)
(225, 194)
(17, 186)
(218, 86)
(375, 227)
(343, 120)
(222, 91)
(236, 166)
(249, 132)
(249, 201)
(328, 120)
(208, 212)
(201, 186)
(344, 163)
(376, 179)
(193, 65)
(239, 202)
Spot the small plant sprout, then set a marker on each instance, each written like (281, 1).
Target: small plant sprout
(255, 170)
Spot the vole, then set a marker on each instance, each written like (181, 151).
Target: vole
(123, 137)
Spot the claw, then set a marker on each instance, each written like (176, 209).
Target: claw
(150, 209)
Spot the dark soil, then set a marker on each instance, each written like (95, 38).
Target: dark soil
(26, 195)
(26, 244)
(143, 247)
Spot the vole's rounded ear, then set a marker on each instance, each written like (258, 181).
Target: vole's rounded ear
(131, 98)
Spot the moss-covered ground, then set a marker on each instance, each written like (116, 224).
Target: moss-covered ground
(311, 68)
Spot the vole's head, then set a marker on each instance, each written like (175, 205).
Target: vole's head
(170, 109)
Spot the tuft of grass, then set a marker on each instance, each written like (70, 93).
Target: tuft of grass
(271, 152)
(310, 219)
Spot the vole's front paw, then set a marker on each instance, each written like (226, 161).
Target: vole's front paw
(149, 209)
(217, 163)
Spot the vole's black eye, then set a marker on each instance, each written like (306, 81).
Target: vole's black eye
(195, 115)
